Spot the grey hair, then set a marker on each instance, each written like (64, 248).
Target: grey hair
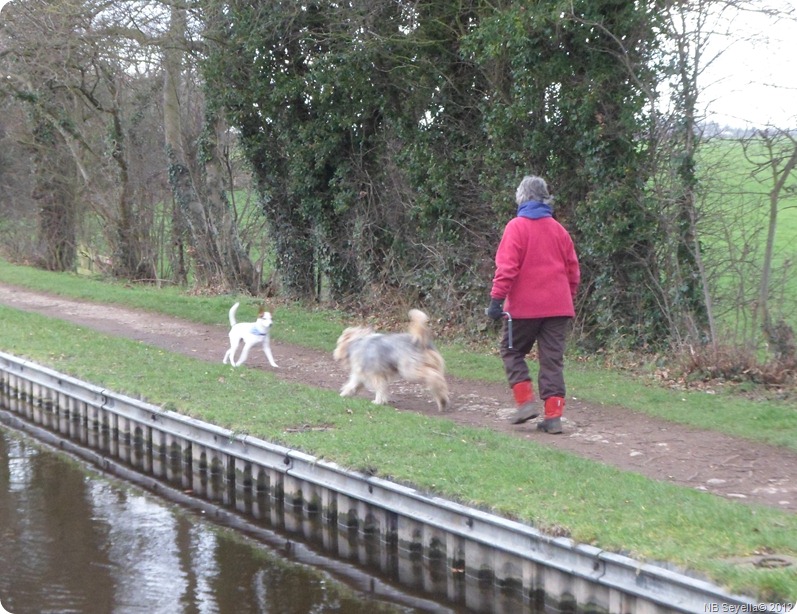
(533, 188)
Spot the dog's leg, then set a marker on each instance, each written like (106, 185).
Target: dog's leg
(269, 356)
(380, 385)
(351, 387)
(440, 392)
(244, 354)
(235, 341)
(436, 382)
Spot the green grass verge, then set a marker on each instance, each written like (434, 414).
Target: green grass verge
(554, 491)
(767, 421)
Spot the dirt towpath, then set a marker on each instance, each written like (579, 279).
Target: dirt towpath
(729, 467)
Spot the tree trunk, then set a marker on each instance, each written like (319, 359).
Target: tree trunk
(220, 262)
(780, 336)
(236, 266)
(55, 191)
(132, 252)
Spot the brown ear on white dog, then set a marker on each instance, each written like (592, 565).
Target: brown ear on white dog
(375, 360)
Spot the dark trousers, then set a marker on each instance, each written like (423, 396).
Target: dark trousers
(550, 335)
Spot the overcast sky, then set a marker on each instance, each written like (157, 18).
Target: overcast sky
(754, 81)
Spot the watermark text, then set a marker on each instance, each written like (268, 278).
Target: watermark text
(754, 607)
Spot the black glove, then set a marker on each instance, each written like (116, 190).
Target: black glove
(496, 309)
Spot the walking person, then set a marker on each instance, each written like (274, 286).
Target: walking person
(536, 279)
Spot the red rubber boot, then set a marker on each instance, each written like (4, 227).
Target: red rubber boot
(524, 399)
(552, 423)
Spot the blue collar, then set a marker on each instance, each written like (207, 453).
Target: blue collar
(534, 210)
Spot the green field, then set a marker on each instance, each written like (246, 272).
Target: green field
(736, 211)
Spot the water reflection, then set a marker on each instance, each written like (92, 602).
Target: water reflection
(74, 541)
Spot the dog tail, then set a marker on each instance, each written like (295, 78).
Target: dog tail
(419, 328)
(233, 309)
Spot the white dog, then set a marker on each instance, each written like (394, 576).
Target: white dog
(251, 333)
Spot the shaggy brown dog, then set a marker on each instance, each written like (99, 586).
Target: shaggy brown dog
(375, 360)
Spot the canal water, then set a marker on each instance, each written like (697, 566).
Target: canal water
(75, 540)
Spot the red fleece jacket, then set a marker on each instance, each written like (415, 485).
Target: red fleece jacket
(537, 269)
